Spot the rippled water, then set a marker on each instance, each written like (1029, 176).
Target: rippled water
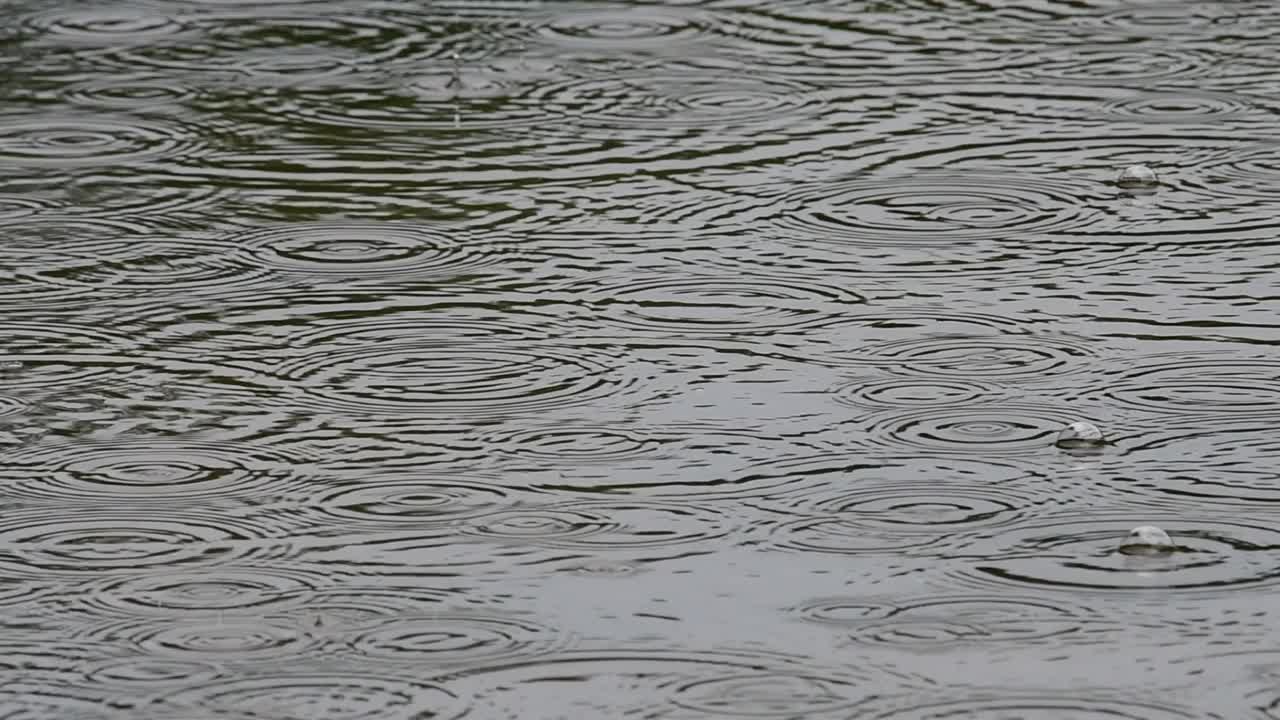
(375, 360)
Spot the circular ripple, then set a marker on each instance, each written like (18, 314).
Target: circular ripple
(1081, 554)
(567, 444)
(1006, 704)
(659, 684)
(88, 542)
(1114, 65)
(716, 305)
(419, 501)
(997, 358)
(39, 356)
(469, 98)
(129, 93)
(446, 638)
(48, 240)
(990, 430)
(1179, 107)
(459, 380)
(344, 696)
(556, 526)
(634, 524)
(1199, 386)
(104, 27)
(133, 674)
(838, 536)
(215, 590)
(903, 506)
(152, 470)
(254, 43)
(99, 141)
(935, 209)
(896, 517)
(938, 622)
(341, 609)
(159, 264)
(624, 29)
(227, 639)
(764, 695)
(908, 393)
(359, 249)
(677, 103)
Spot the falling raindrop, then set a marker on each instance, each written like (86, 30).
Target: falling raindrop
(1147, 540)
(1137, 177)
(1080, 434)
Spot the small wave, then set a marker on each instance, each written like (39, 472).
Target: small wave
(1114, 65)
(14, 206)
(666, 683)
(1025, 705)
(669, 105)
(625, 29)
(41, 355)
(1168, 20)
(1194, 385)
(37, 696)
(1252, 171)
(799, 474)
(577, 445)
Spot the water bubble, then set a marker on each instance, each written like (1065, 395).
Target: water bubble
(1147, 540)
(1080, 434)
(1137, 177)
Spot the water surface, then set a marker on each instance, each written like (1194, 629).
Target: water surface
(376, 360)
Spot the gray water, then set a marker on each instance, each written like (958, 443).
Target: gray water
(404, 360)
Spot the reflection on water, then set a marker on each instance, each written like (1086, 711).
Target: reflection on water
(683, 360)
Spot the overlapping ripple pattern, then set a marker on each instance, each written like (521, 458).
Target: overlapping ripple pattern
(490, 359)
